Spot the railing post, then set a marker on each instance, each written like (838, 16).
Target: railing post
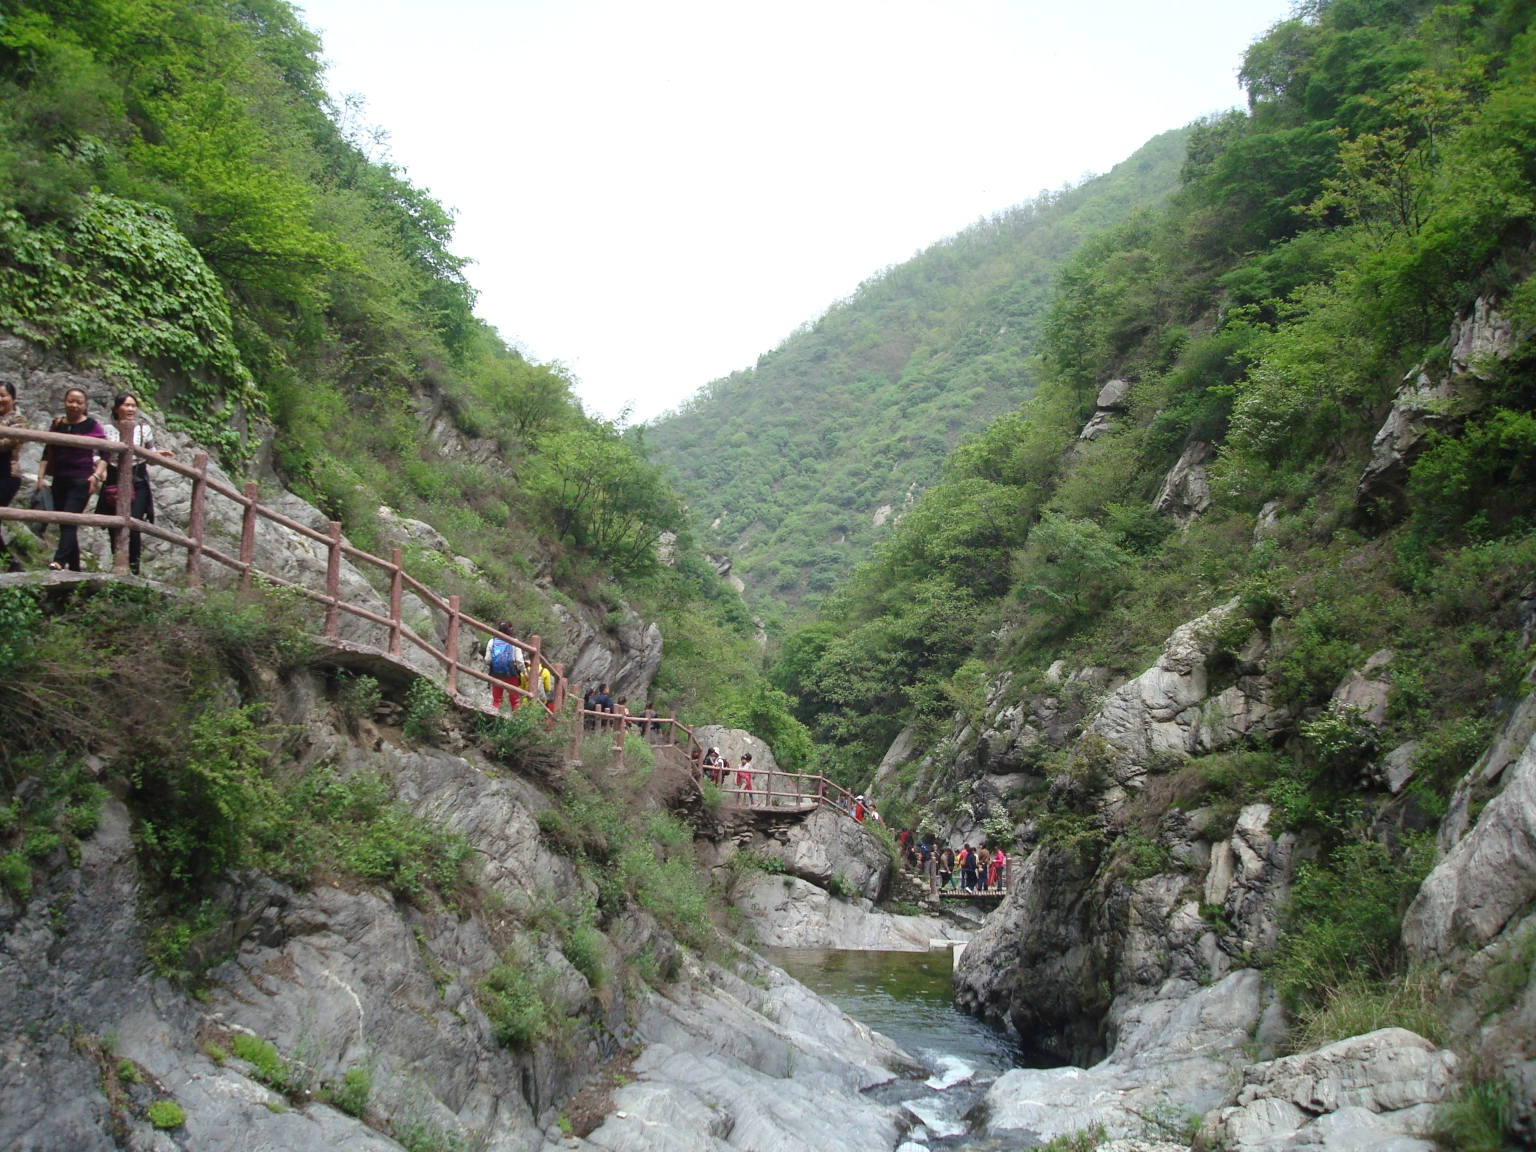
(248, 535)
(396, 590)
(672, 728)
(196, 519)
(559, 687)
(333, 582)
(769, 803)
(579, 727)
(535, 668)
(453, 645)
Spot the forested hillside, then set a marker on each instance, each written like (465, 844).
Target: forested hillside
(1271, 501)
(800, 464)
(182, 204)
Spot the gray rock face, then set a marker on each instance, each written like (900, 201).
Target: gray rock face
(1376, 1091)
(1168, 709)
(827, 844)
(733, 1066)
(1488, 875)
(1424, 404)
(1365, 691)
(626, 661)
(1175, 1054)
(1186, 491)
(788, 912)
(733, 742)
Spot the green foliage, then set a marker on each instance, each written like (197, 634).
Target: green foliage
(425, 705)
(351, 1095)
(20, 617)
(857, 410)
(516, 996)
(166, 1114)
(1359, 1005)
(839, 885)
(120, 281)
(520, 742)
(266, 1065)
(128, 1072)
(1478, 1118)
(1083, 1140)
(1343, 919)
(357, 695)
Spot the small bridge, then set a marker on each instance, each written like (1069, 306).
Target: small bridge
(773, 790)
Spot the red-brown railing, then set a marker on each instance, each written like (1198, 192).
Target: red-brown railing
(768, 788)
(197, 549)
(780, 790)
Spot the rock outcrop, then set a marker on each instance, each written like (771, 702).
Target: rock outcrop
(1175, 1057)
(1378, 1091)
(1186, 491)
(1426, 404)
(788, 912)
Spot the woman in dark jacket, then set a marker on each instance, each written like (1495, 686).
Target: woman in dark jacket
(76, 472)
(10, 461)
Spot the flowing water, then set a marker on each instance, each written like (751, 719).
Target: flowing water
(909, 996)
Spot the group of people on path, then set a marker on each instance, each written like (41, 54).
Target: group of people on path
(717, 770)
(67, 477)
(965, 869)
(509, 669)
(601, 701)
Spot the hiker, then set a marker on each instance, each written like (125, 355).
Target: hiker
(620, 707)
(711, 765)
(505, 660)
(983, 858)
(76, 472)
(931, 868)
(967, 868)
(603, 702)
(858, 808)
(744, 778)
(650, 727)
(589, 704)
(545, 689)
(10, 463)
(996, 876)
(124, 408)
(946, 868)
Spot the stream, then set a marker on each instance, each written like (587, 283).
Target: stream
(909, 996)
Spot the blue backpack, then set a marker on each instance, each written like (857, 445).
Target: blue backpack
(501, 657)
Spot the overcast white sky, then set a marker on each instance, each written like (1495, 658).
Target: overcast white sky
(656, 192)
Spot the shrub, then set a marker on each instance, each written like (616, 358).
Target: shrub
(711, 796)
(358, 696)
(351, 1095)
(1477, 1118)
(166, 1114)
(583, 947)
(1084, 1140)
(515, 998)
(840, 885)
(425, 705)
(1356, 1007)
(520, 742)
(268, 1066)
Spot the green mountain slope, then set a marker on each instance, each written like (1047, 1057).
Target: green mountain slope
(791, 460)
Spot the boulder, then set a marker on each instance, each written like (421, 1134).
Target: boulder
(732, 742)
(1186, 491)
(1363, 692)
(1113, 394)
(1373, 1092)
(1176, 1055)
(788, 912)
(827, 844)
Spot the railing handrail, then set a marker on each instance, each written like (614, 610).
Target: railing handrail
(249, 501)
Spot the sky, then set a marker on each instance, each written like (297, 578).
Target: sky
(654, 193)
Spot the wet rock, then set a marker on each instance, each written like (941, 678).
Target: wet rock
(1377, 1091)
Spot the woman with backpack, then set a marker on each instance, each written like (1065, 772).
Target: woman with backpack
(505, 660)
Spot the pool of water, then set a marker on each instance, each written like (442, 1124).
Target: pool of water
(909, 996)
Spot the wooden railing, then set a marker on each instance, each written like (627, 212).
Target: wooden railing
(771, 789)
(195, 544)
